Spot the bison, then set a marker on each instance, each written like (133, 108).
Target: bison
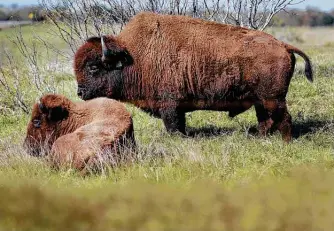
(169, 65)
(76, 132)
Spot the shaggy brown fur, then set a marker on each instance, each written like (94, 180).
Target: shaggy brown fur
(170, 65)
(75, 132)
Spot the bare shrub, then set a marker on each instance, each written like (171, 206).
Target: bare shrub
(29, 68)
(76, 20)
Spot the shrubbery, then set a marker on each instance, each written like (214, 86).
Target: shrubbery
(309, 17)
(22, 14)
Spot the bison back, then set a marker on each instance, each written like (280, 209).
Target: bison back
(181, 58)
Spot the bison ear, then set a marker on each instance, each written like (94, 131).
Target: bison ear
(54, 113)
(57, 113)
(124, 59)
(118, 59)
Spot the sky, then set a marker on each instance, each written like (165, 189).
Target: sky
(321, 4)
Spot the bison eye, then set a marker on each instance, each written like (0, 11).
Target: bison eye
(36, 123)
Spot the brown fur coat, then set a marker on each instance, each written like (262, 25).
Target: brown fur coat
(169, 65)
(76, 132)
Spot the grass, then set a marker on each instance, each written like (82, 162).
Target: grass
(225, 177)
(302, 201)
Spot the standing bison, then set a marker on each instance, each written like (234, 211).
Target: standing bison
(76, 132)
(170, 65)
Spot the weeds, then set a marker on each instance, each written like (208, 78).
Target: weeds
(222, 177)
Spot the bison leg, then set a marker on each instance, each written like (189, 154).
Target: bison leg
(174, 120)
(263, 118)
(272, 115)
(282, 120)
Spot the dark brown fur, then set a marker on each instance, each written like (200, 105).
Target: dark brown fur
(76, 132)
(171, 65)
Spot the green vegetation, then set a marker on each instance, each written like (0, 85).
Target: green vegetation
(304, 201)
(223, 178)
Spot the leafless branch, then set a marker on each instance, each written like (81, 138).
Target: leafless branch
(76, 20)
(26, 74)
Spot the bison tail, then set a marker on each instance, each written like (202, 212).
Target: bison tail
(308, 66)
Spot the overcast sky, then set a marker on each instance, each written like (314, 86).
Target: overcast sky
(322, 4)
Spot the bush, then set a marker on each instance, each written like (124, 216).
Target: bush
(327, 20)
(3, 16)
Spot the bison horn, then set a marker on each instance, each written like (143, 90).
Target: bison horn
(106, 53)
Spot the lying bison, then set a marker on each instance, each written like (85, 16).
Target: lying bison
(170, 65)
(76, 132)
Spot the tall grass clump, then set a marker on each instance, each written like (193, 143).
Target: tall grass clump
(303, 200)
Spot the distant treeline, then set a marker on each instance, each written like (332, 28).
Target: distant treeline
(291, 17)
(309, 17)
(22, 14)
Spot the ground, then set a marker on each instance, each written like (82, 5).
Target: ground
(225, 177)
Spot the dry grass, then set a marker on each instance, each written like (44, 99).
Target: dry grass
(223, 178)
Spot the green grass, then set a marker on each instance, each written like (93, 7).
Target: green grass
(223, 178)
(302, 201)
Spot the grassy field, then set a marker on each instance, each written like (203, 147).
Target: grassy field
(225, 177)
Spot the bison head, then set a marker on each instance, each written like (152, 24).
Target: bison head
(98, 66)
(46, 121)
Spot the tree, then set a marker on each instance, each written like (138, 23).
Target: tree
(327, 20)
(3, 15)
(84, 18)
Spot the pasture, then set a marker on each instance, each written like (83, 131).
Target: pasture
(223, 177)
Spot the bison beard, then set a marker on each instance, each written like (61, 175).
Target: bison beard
(170, 65)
